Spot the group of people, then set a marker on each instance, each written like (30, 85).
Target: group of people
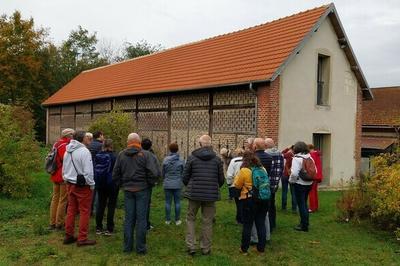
(89, 176)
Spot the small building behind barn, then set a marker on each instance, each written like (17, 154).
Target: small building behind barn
(380, 124)
(291, 79)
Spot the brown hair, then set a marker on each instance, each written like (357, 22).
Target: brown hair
(250, 160)
(311, 147)
(108, 145)
(300, 147)
(173, 147)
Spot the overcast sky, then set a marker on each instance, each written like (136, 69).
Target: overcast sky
(372, 26)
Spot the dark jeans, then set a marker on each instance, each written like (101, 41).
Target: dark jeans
(285, 188)
(107, 197)
(254, 212)
(239, 203)
(136, 204)
(272, 212)
(169, 194)
(148, 208)
(301, 192)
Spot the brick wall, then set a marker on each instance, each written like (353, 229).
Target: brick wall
(268, 110)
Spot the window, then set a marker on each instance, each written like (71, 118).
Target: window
(323, 80)
(322, 142)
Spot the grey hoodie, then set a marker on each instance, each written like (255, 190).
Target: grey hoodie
(82, 160)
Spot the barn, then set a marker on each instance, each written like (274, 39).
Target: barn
(295, 78)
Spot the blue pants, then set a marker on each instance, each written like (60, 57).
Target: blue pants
(169, 194)
(136, 208)
(302, 198)
(285, 188)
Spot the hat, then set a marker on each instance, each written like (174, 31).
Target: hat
(67, 131)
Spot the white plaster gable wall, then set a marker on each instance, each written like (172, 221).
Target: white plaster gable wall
(299, 115)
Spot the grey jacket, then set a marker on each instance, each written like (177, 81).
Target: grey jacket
(172, 171)
(82, 159)
(135, 169)
(203, 175)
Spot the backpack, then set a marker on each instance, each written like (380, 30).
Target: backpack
(308, 171)
(50, 163)
(102, 169)
(261, 187)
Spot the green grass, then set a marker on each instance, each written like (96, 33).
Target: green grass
(25, 240)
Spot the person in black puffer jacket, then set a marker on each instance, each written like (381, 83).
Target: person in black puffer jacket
(203, 175)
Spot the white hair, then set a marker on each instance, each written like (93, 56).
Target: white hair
(205, 141)
(89, 135)
(134, 137)
(269, 143)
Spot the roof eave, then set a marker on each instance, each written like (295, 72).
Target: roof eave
(44, 104)
(332, 13)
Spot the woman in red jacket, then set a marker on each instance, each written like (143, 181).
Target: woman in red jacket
(59, 197)
(313, 196)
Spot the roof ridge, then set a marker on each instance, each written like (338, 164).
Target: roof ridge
(208, 38)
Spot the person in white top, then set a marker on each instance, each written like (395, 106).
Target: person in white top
(233, 169)
(301, 188)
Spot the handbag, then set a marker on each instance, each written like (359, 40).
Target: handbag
(80, 179)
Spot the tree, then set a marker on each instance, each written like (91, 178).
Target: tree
(76, 54)
(140, 48)
(21, 72)
(19, 152)
(115, 125)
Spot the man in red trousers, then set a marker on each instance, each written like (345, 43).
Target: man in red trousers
(78, 174)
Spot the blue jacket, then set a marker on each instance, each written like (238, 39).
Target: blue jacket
(266, 160)
(172, 171)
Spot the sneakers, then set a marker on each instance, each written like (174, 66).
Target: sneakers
(99, 231)
(244, 253)
(52, 227)
(167, 222)
(86, 242)
(179, 222)
(191, 252)
(69, 240)
(108, 233)
(300, 228)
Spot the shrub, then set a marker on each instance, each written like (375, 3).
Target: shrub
(115, 125)
(354, 202)
(19, 151)
(376, 197)
(384, 190)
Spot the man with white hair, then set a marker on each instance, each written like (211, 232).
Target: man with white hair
(136, 172)
(203, 175)
(275, 176)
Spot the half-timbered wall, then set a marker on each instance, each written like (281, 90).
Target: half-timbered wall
(228, 115)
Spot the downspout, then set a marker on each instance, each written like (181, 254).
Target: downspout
(251, 88)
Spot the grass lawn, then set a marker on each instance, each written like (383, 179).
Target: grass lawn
(24, 239)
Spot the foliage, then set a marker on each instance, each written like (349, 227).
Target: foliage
(376, 197)
(76, 54)
(115, 125)
(384, 190)
(354, 202)
(139, 49)
(22, 78)
(32, 67)
(19, 152)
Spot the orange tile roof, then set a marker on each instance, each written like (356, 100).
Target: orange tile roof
(384, 110)
(248, 55)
